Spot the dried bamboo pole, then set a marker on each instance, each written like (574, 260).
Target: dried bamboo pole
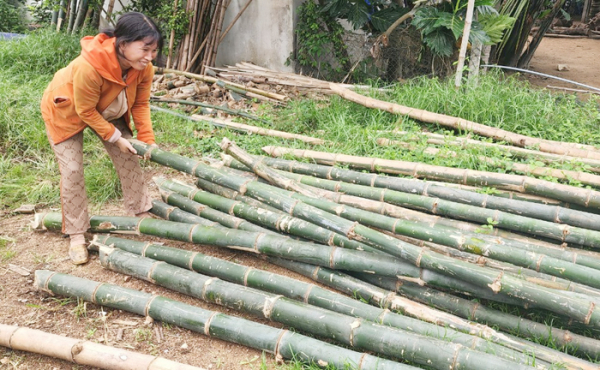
(561, 303)
(528, 169)
(462, 124)
(171, 36)
(227, 84)
(363, 335)
(510, 202)
(234, 21)
(242, 127)
(82, 352)
(215, 107)
(465, 42)
(584, 197)
(211, 35)
(217, 35)
(283, 343)
(462, 142)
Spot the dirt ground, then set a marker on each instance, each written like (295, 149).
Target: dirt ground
(21, 304)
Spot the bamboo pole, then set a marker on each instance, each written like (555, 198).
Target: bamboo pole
(363, 335)
(234, 21)
(82, 352)
(81, 11)
(72, 14)
(171, 36)
(283, 343)
(463, 142)
(465, 42)
(242, 127)
(275, 221)
(216, 107)
(510, 203)
(254, 242)
(454, 327)
(376, 295)
(462, 124)
(561, 303)
(585, 197)
(227, 84)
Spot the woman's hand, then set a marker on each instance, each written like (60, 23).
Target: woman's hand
(125, 146)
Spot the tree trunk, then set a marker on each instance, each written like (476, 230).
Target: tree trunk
(537, 38)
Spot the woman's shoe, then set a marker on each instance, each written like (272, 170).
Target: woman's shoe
(78, 254)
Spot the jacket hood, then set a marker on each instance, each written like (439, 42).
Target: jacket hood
(100, 52)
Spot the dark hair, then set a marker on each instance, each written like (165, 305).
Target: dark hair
(134, 26)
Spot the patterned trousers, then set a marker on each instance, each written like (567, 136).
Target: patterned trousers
(69, 155)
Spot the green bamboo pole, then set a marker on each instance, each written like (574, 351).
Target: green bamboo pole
(554, 301)
(585, 197)
(311, 294)
(472, 310)
(280, 342)
(363, 335)
(276, 221)
(254, 242)
(205, 211)
(168, 212)
(371, 292)
(551, 213)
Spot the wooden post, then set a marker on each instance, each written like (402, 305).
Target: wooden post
(464, 43)
(586, 10)
(172, 37)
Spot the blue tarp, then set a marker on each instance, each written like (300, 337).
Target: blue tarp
(11, 36)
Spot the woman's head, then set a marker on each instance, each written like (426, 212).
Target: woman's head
(138, 40)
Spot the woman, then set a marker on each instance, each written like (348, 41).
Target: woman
(103, 88)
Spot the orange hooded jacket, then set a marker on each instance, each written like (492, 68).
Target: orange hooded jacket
(79, 93)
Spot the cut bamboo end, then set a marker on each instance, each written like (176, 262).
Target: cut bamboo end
(38, 222)
(83, 353)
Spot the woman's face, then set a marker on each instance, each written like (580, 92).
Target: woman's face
(137, 54)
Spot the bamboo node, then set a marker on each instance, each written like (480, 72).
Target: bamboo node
(567, 337)
(315, 273)
(270, 305)
(191, 261)
(207, 325)
(307, 293)
(332, 257)
(248, 271)
(278, 343)
(148, 305)
(75, 350)
(384, 312)
(566, 231)
(362, 359)
(206, 284)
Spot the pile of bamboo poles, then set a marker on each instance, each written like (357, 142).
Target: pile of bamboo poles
(414, 268)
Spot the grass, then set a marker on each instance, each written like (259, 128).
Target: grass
(29, 173)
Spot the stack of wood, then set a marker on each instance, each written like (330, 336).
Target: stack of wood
(590, 29)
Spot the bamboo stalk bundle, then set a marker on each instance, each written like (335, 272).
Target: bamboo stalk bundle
(227, 84)
(544, 212)
(541, 262)
(462, 142)
(317, 296)
(376, 295)
(167, 212)
(253, 242)
(282, 343)
(527, 225)
(82, 352)
(547, 146)
(395, 211)
(276, 221)
(475, 311)
(585, 197)
(555, 301)
(363, 335)
(241, 127)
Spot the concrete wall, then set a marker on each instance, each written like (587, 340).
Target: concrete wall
(263, 35)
